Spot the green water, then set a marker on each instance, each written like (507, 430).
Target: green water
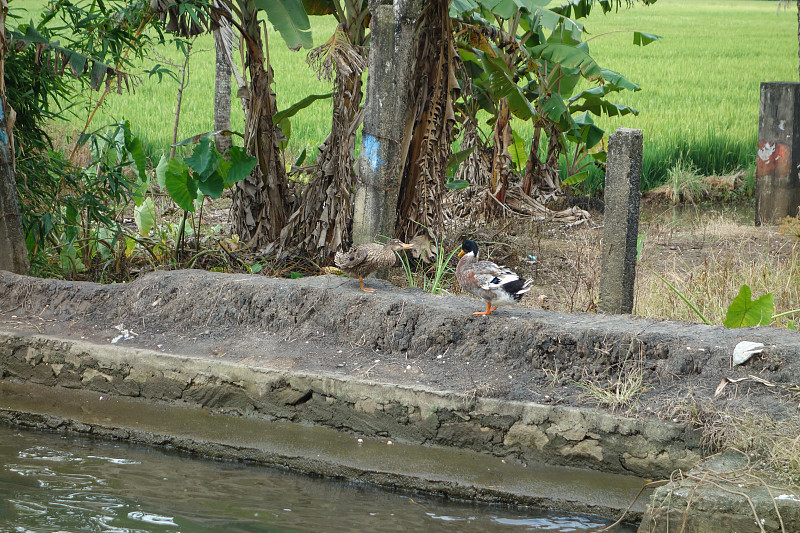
(53, 483)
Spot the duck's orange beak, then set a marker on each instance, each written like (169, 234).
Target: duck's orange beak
(461, 253)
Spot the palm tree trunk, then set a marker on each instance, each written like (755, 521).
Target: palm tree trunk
(222, 89)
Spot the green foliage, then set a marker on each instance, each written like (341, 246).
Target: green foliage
(204, 172)
(290, 19)
(535, 59)
(431, 278)
(686, 108)
(744, 312)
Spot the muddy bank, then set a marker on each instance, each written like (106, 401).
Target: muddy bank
(396, 365)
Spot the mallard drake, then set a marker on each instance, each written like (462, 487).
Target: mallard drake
(364, 259)
(484, 279)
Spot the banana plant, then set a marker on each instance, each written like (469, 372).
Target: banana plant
(531, 59)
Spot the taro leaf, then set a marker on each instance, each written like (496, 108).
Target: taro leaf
(744, 312)
(130, 246)
(204, 159)
(182, 188)
(291, 21)
(643, 39)
(139, 192)
(145, 216)
(212, 186)
(134, 147)
(161, 172)
(241, 165)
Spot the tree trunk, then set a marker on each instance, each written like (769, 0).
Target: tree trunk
(387, 118)
(222, 88)
(13, 253)
(433, 84)
(501, 161)
(259, 206)
(321, 224)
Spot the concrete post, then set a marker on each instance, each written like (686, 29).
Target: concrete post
(621, 228)
(777, 183)
(380, 165)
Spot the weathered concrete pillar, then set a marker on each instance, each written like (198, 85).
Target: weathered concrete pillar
(621, 228)
(386, 112)
(777, 183)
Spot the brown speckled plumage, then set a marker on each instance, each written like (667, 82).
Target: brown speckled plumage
(364, 259)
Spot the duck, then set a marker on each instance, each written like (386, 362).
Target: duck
(364, 259)
(496, 285)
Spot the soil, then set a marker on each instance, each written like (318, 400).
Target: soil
(324, 324)
(547, 350)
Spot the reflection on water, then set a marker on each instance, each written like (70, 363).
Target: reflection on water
(51, 483)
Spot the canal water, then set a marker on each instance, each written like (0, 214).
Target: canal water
(55, 483)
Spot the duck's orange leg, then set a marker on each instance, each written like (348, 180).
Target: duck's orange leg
(363, 288)
(488, 311)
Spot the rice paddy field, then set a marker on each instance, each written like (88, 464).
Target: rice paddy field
(699, 98)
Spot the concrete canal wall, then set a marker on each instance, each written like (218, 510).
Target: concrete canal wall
(198, 361)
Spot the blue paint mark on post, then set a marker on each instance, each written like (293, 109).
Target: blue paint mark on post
(370, 151)
(3, 135)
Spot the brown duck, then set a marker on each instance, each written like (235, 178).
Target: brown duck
(492, 283)
(364, 259)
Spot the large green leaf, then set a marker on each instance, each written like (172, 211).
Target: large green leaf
(569, 56)
(145, 216)
(744, 312)
(204, 159)
(517, 151)
(241, 165)
(641, 38)
(319, 7)
(502, 86)
(212, 186)
(555, 108)
(182, 188)
(617, 81)
(294, 108)
(587, 131)
(161, 172)
(599, 106)
(459, 7)
(290, 20)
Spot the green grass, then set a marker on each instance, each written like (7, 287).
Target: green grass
(699, 97)
(701, 82)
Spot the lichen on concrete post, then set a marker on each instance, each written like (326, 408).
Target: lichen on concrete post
(778, 155)
(386, 114)
(621, 227)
